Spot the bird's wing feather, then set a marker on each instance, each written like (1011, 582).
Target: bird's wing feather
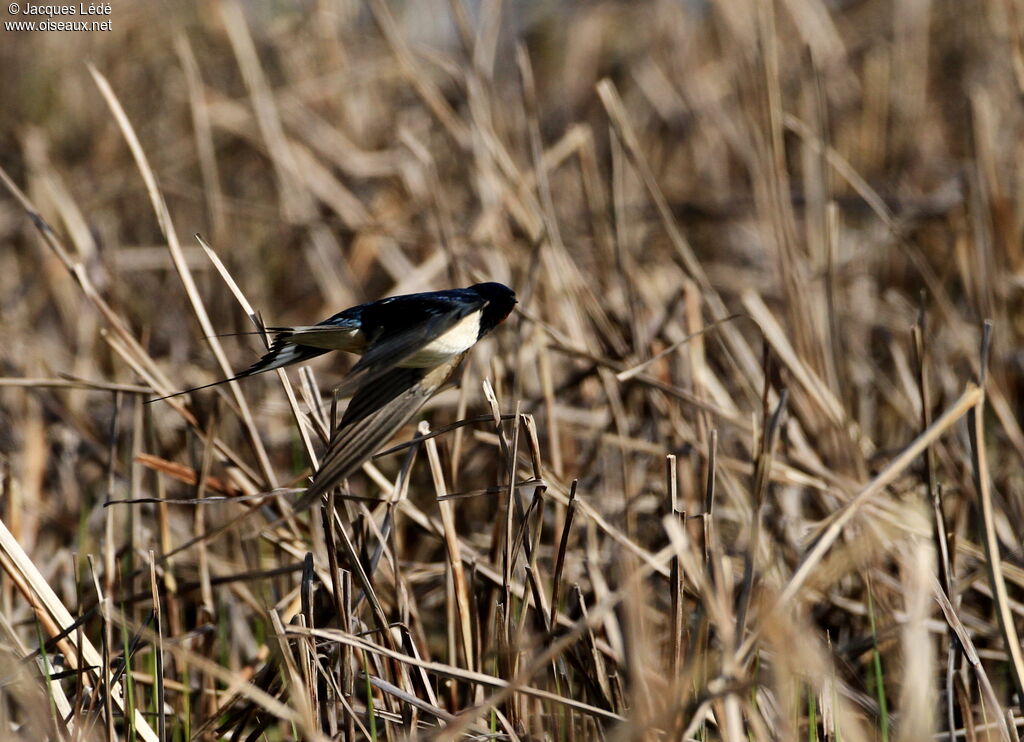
(325, 337)
(337, 332)
(377, 410)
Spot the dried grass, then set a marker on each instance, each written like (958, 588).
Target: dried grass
(746, 465)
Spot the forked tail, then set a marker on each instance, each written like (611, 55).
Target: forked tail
(282, 353)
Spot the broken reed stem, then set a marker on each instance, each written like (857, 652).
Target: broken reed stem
(451, 539)
(993, 561)
(934, 494)
(676, 578)
(509, 546)
(563, 543)
(762, 469)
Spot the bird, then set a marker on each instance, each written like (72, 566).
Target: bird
(410, 347)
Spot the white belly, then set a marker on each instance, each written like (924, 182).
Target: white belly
(458, 339)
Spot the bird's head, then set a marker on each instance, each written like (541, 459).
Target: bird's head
(501, 300)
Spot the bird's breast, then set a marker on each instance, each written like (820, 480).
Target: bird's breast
(457, 339)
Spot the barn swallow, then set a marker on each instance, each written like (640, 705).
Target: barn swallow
(410, 346)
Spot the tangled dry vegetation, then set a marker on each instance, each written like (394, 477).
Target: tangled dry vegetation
(745, 466)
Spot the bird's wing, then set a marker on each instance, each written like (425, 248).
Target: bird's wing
(342, 331)
(388, 350)
(377, 410)
(324, 337)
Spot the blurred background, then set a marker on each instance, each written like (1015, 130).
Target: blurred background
(699, 204)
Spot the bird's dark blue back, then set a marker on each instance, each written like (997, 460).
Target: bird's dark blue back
(435, 309)
(396, 314)
(392, 314)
